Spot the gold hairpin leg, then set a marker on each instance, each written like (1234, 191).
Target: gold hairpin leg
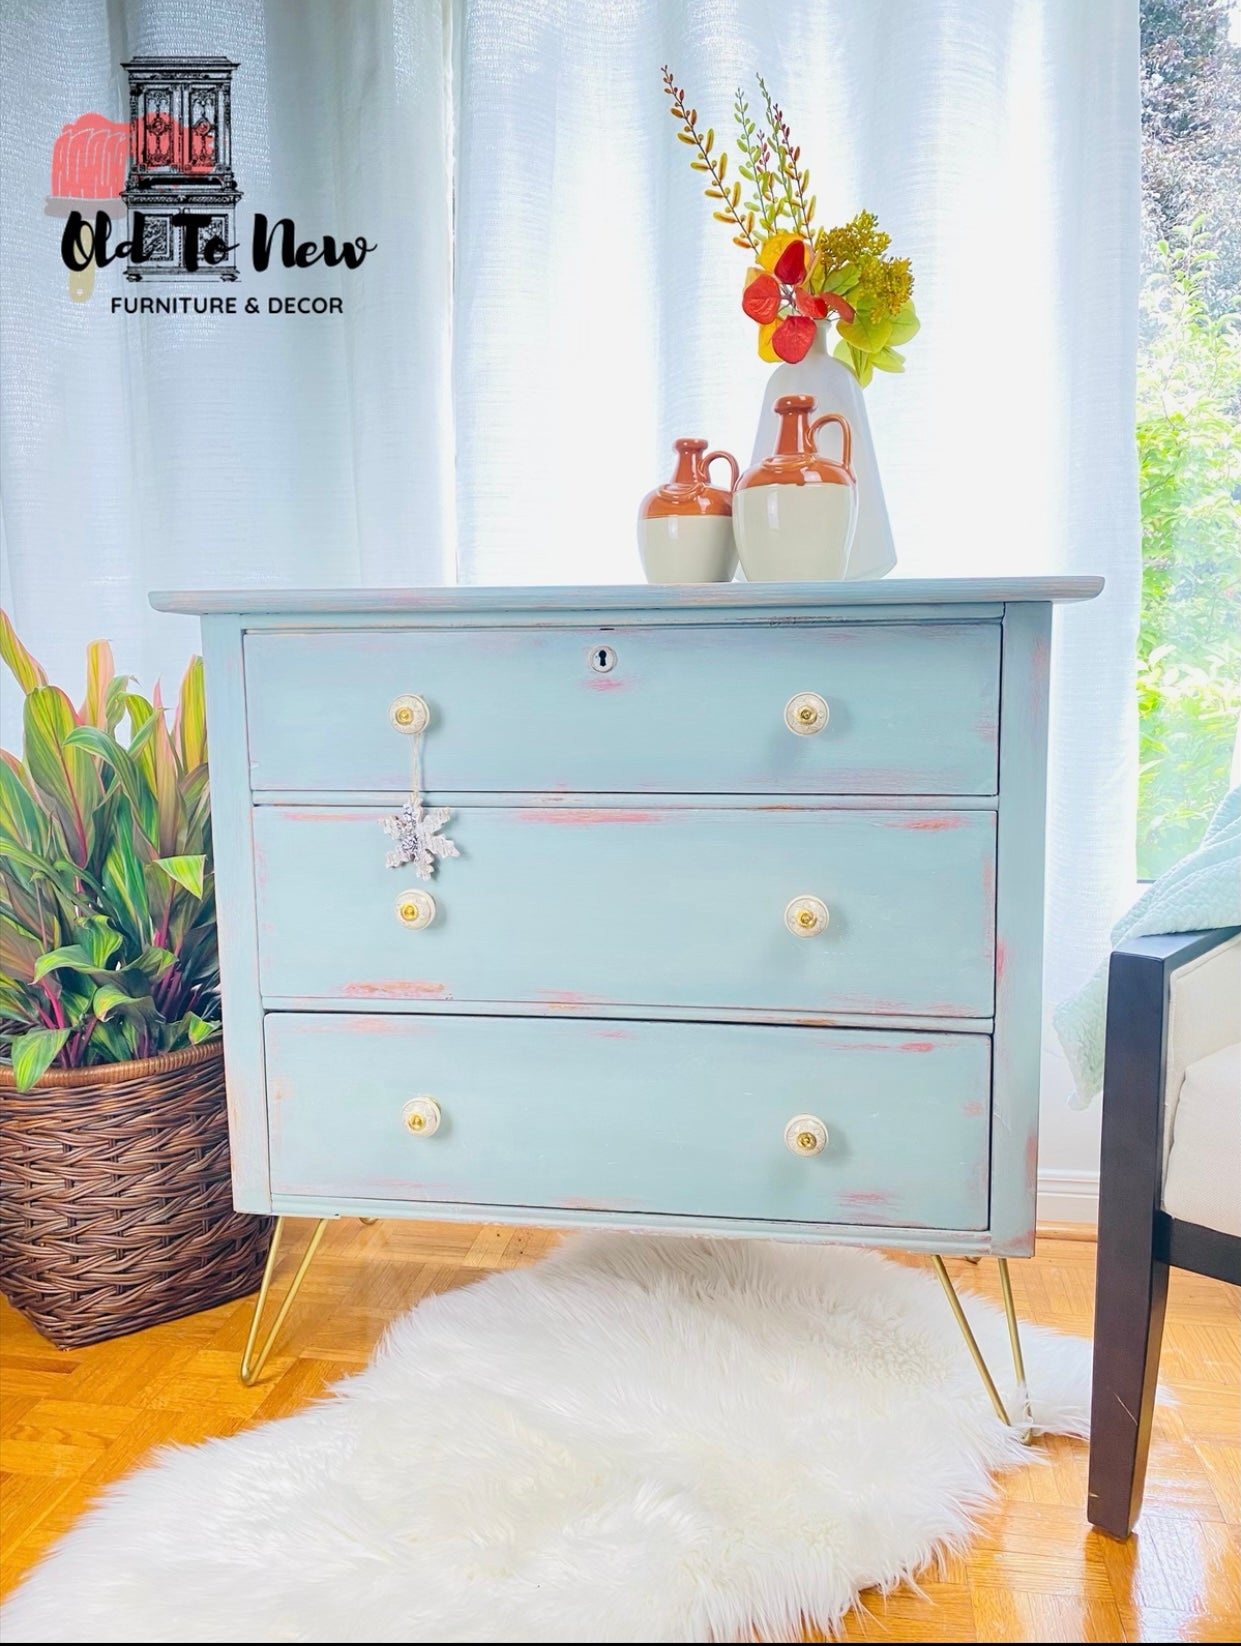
(967, 1332)
(252, 1364)
(1014, 1343)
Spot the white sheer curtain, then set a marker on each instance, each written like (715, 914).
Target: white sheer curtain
(588, 313)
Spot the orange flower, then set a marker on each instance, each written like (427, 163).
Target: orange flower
(779, 296)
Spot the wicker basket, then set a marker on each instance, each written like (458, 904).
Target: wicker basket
(115, 1205)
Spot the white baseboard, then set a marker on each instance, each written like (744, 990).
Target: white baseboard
(1068, 1197)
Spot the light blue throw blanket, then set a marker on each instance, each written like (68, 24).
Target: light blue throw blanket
(1201, 891)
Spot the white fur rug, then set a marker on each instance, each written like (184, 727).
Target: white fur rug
(637, 1440)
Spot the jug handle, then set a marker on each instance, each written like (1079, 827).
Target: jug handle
(846, 435)
(729, 459)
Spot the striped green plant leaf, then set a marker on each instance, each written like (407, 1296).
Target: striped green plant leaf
(26, 671)
(72, 955)
(153, 962)
(186, 871)
(33, 1053)
(20, 817)
(141, 726)
(198, 1028)
(191, 722)
(100, 671)
(99, 939)
(20, 949)
(16, 1001)
(167, 795)
(124, 882)
(129, 773)
(114, 702)
(65, 778)
(110, 997)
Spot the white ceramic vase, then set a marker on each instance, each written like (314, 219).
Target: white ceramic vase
(835, 389)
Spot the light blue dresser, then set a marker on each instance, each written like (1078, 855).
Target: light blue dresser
(745, 930)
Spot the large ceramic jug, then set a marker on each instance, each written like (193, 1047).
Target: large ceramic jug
(835, 388)
(685, 527)
(794, 514)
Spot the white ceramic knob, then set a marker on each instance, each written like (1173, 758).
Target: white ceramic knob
(807, 916)
(415, 907)
(408, 714)
(806, 714)
(422, 1116)
(805, 1134)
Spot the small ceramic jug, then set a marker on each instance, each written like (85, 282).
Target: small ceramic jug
(794, 513)
(685, 528)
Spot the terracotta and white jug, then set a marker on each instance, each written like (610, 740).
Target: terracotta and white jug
(685, 527)
(794, 514)
(835, 388)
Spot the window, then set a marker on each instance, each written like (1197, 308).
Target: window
(1189, 421)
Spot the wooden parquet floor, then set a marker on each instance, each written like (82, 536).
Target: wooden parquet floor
(71, 1422)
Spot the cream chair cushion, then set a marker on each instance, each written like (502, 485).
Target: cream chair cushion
(1204, 1015)
(1202, 1183)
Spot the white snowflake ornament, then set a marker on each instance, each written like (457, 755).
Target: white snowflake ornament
(417, 836)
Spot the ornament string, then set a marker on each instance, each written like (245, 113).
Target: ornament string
(415, 829)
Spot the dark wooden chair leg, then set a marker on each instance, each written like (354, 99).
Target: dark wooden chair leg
(1137, 1239)
(1132, 1293)
(1131, 1280)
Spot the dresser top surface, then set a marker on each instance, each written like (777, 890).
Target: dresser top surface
(630, 598)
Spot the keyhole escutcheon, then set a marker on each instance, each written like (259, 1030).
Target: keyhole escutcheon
(603, 659)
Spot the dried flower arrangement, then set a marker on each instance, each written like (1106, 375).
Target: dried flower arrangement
(803, 274)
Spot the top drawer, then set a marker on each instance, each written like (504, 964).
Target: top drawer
(912, 709)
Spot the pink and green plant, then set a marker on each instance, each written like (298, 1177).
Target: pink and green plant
(107, 915)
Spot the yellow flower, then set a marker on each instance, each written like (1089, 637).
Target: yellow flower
(891, 282)
(853, 242)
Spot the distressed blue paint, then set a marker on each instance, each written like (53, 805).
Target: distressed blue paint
(914, 709)
(635, 907)
(707, 601)
(235, 909)
(659, 1122)
(1019, 923)
(962, 1241)
(635, 1117)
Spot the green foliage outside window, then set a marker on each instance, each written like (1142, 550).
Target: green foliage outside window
(1189, 424)
(1189, 653)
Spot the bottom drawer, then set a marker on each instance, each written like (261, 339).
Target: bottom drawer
(683, 1118)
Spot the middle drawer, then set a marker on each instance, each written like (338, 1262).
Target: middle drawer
(675, 907)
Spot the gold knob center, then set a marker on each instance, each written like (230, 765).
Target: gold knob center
(404, 715)
(806, 1141)
(805, 917)
(409, 911)
(805, 714)
(416, 1122)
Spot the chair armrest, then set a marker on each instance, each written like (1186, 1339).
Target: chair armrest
(1145, 976)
